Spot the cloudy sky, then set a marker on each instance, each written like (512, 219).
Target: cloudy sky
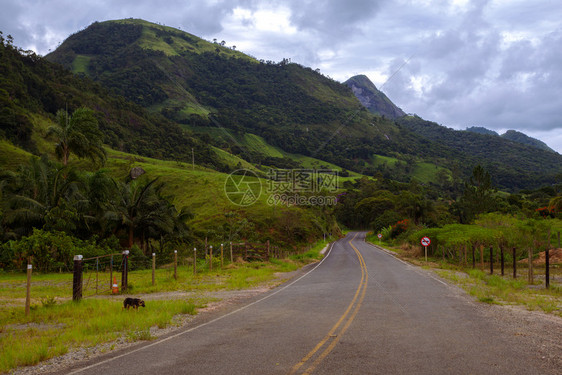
(460, 63)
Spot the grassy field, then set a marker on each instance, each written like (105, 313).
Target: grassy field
(57, 325)
(80, 64)
(495, 289)
(11, 157)
(177, 44)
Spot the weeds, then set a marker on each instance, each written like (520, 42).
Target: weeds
(493, 289)
(57, 324)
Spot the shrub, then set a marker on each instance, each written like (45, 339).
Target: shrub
(50, 251)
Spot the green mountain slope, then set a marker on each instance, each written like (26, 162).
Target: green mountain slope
(481, 130)
(513, 165)
(519, 137)
(512, 135)
(203, 84)
(33, 89)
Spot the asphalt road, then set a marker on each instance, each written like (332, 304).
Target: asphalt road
(359, 311)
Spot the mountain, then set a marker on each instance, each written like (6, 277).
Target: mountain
(482, 130)
(34, 89)
(513, 165)
(207, 86)
(229, 100)
(372, 98)
(512, 135)
(519, 137)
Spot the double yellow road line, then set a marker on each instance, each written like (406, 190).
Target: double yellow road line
(329, 342)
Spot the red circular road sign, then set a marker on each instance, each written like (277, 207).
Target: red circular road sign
(425, 241)
(379, 236)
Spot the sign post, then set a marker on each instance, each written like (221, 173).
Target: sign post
(380, 237)
(425, 241)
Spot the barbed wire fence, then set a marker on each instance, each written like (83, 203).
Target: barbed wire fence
(99, 275)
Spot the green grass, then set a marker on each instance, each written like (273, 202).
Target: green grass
(57, 325)
(150, 40)
(426, 172)
(492, 289)
(378, 160)
(495, 289)
(80, 64)
(11, 157)
(52, 331)
(258, 144)
(233, 160)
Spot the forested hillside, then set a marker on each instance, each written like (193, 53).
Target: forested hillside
(32, 90)
(512, 164)
(210, 85)
(202, 84)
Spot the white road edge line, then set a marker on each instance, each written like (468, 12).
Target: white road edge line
(204, 324)
(406, 263)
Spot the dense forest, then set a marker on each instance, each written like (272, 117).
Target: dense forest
(511, 163)
(32, 86)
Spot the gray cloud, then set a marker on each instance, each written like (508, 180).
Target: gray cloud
(491, 63)
(333, 20)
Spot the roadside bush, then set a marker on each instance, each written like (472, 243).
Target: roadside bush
(50, 251)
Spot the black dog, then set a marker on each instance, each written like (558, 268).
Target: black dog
(133, 302)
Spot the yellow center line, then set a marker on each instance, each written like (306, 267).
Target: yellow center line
(361, 290)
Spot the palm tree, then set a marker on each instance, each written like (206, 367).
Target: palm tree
(43, 192)
(143, 213)
(133, 203)
(78, 134)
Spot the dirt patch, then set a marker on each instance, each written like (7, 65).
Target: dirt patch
(554, 257)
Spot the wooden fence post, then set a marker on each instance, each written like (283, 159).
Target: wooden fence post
(97, 273)
(222, 256)
(530, 270)
(194, 260)
(125, 273)
(268, 248)
(28, 289)
(514, 264)
(473, 257)
(501, 258)
(153, 268)
(210, 258)
(547, 270)
(491, 260)
(77, 279)
(482, 257)
(111, 273)
(175, 264)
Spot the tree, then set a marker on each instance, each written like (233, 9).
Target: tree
(44, 195)
(79, 134)
(478, 196)
(143, 213)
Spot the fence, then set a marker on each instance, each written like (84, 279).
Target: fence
(488, 255)
(98, 275)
